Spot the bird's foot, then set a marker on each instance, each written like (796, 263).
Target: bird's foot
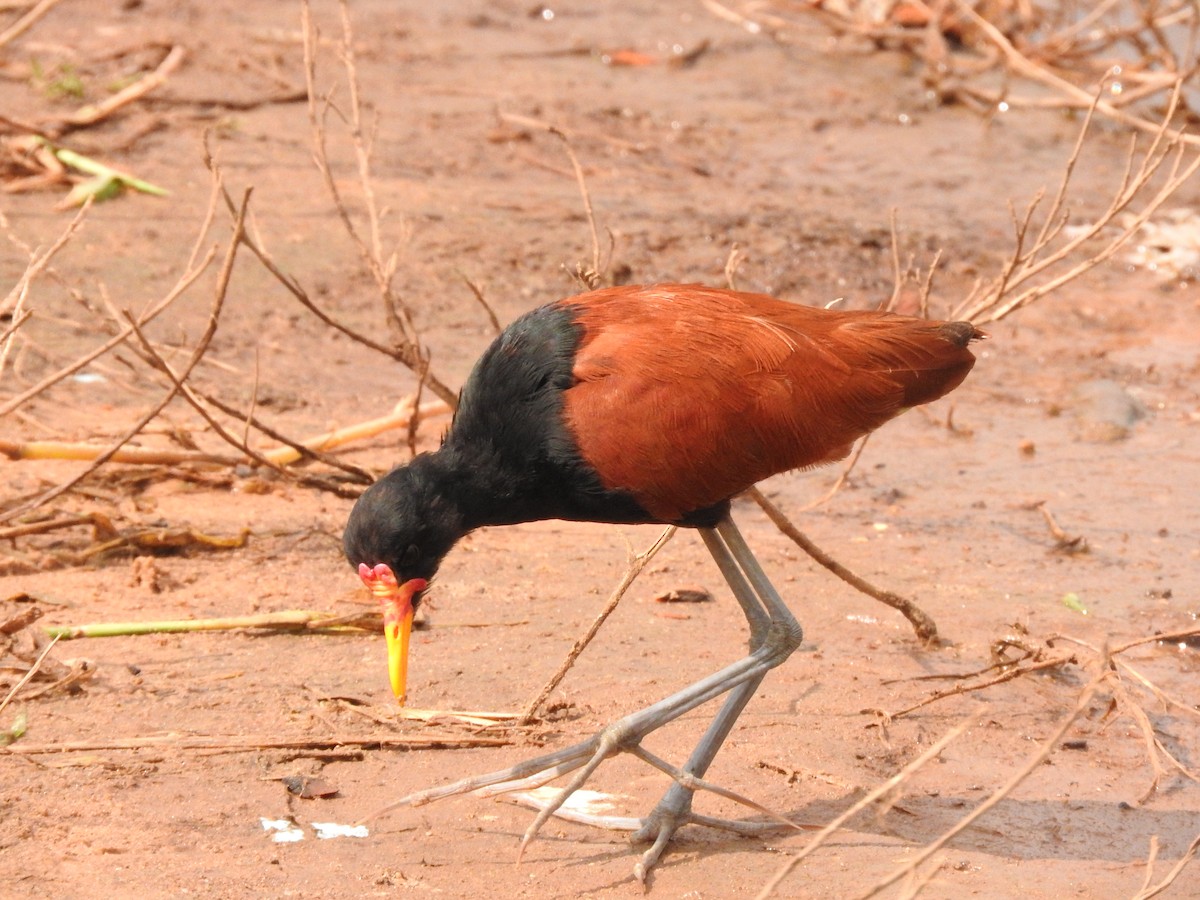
(658, 827)
(671, 813)
(674, 810)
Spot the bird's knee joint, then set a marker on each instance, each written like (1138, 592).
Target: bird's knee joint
(619, 736)
(687, 780)
(785, 637)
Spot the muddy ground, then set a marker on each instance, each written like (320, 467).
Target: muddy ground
(795, 152)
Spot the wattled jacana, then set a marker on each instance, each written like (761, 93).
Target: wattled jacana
(646, 404)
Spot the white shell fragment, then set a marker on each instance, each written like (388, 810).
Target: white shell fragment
(283, 831)
(333, 830)
(286, 831)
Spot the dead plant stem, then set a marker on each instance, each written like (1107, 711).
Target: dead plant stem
(636, 564)
(37, 664)
(874, 795)
(201, 347)
(27, 21)
(186, 281)
(922, 623)
(1047, 747)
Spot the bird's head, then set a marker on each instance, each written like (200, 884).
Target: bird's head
(397, 534)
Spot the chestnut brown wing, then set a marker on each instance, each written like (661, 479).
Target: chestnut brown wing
(687, 395)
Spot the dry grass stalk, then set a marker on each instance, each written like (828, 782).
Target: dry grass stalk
(973, 52)
(477, 293)
(93, 113)
(406, 412)
(733, 262)
(27, 21)
(192, 272)
(891, 785)
(1107, 667)
(1032, 660)
(1156, 751)
(590, 277)
(307, 621)
(157, 361)
(921, 621)
(695, 783)
(472, 717)
(15, 301)
(33, 669)
(1041, 263)
(636, 565)
(290, 452)
(1011, 671)
(1044, 259)
(199, 351)
(238, 744)
(18, 319)
(1149, 890)
(381, 264)
(1138, 71)
(1044, 750)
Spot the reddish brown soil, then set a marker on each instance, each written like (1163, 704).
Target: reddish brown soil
(797, 154)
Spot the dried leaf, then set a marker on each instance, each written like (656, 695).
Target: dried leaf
(684, 595)
(309, 787)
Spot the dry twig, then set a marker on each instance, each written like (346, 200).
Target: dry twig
(37, 664)
(974, 54)
(238, 744)
(27, 21)
(201, 347)
(93, 113)
(1149, 891)
(636, 564)
(1016, 671)
(192, 272)
(882, 790)
(407, 347)
(922, 623)
(1129, 705)
(308, 621)
(1047, 747)
(1040, 264)
(15, 300)
(591, 277)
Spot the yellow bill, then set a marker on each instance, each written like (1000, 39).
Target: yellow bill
(397, 618)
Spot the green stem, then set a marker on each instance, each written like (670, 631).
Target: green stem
(289, 619)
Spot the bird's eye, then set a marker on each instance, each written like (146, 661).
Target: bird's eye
(410, 557)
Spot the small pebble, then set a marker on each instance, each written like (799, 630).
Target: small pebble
(1104, 411)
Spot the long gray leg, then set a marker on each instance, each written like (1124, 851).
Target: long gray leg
(774, 635)
(756, 615)
(738, 565)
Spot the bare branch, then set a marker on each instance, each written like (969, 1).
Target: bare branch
(201, 347)
(881, 791)
(922, 623)
(27, 21)
(1048, 746)
(636, 564)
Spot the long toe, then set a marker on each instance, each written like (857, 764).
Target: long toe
(672, 811)
(659, 828)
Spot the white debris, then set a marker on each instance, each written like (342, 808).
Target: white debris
(583, 801)
(333, 830)
(862, 620)
(284, 831)
(287, 831)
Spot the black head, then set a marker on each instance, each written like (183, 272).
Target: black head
(403, 520)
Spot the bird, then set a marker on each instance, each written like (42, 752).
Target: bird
(643, 404)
